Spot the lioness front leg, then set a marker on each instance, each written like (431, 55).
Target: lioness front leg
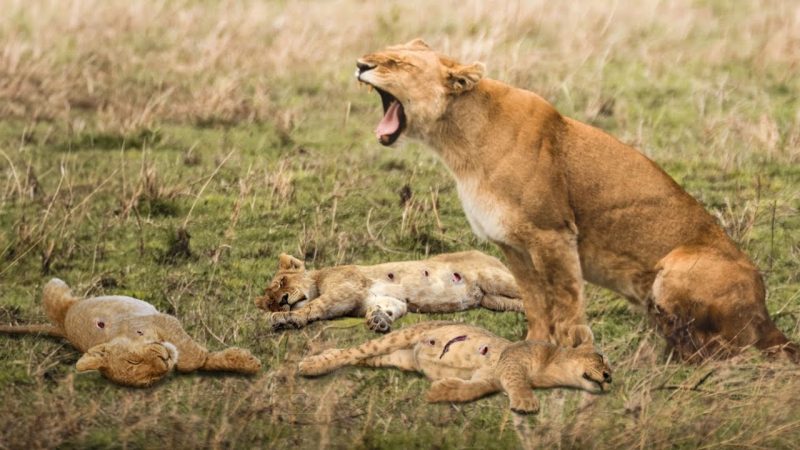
(548, 273)
(326, 306)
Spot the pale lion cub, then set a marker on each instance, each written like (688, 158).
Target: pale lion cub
(385, 292)
(467, 362)
(128, 340)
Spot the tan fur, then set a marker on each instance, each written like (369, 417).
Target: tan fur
(567, 202)
(466, 362)
(384, 292)
(128, 340)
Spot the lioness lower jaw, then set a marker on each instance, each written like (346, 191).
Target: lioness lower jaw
(393, 122)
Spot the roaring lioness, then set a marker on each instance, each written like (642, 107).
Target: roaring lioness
(383, 293)
(566, 201)
(468, 362)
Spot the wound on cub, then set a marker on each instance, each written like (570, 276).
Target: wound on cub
(456, 277)
(390, 275)
(451, 341)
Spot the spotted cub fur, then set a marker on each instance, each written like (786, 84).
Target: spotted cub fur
(385, 292)
(466, 362)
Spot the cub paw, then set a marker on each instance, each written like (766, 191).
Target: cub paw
(379, 322)
(244, 361)
(284, 320)
(524, 405)
(444, 391)
(317, 365)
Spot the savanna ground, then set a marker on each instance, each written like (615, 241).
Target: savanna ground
(171, 150)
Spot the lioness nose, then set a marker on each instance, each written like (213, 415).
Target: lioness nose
(364, 66)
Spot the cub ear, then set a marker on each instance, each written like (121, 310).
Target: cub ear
(288, 262)
(94, 359)
(418, 43)
(580, 335)
(464, 78)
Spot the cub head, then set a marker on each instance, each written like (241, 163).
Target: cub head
(415, 85)
(290, 288)
(136, 363)
(585, 367)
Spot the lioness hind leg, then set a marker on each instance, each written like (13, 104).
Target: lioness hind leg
(707, 303)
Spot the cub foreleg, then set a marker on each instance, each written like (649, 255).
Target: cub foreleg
(326, 306)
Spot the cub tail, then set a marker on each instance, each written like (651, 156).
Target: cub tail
(57, 299)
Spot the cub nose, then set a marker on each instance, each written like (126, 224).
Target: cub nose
(607, 377)
(364, 66)
(284, 300)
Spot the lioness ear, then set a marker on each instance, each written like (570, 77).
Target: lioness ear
(581, 335)
(463, 78)
(288, 262)
(94, 359)
(418, 43)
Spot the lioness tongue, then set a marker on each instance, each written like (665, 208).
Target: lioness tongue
(391, 120)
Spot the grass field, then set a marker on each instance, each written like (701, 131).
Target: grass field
(125, 123)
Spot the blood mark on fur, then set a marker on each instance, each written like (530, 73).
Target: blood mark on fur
(450, 342)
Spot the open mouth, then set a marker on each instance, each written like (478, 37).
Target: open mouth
(393, 122)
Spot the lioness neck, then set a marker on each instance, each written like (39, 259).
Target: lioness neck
(471, 130)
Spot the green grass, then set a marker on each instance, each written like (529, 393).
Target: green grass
(96, 192)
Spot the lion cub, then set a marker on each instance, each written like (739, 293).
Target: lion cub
(467, 362)
(128, 340)
(385, 292)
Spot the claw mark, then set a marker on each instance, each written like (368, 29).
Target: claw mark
(447, 346)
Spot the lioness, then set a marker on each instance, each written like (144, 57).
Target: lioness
(468, 362)
(566, 201)
(127, 340)
(383, 293)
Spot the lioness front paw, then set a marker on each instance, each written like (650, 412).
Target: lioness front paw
(524, 404)
(284, 320)
(379, 322)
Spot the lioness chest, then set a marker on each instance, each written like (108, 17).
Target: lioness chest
(484, 213)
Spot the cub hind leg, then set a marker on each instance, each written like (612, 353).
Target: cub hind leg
(500, 291)
(333, 359)
(458, 390)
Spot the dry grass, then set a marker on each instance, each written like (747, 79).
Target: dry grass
(171, 150)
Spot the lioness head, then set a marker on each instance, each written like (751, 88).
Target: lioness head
(582, 366)
(290, 288)
(415, 85)
(137, 363)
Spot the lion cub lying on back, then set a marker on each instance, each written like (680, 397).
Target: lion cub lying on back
(467, 362)
(128, 340)
(385, 292)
